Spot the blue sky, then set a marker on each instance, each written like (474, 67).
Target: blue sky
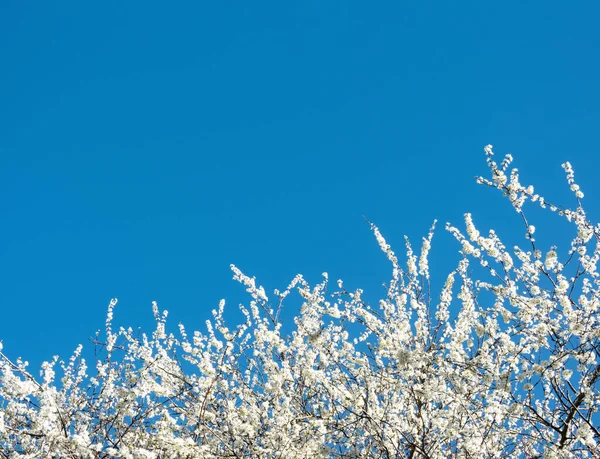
(146, 146)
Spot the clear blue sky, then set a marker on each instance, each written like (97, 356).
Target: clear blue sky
(145, 146)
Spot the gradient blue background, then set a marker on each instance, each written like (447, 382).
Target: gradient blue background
(145, 146)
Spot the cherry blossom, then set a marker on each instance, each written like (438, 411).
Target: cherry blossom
(504, 362)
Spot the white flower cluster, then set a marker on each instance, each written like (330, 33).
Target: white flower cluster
(503, 366)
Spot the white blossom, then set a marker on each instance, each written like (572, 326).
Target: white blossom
(503, 362)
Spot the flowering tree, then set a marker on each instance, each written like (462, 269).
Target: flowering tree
(506, 366)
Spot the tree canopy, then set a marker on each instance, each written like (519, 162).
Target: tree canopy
(502, 364)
